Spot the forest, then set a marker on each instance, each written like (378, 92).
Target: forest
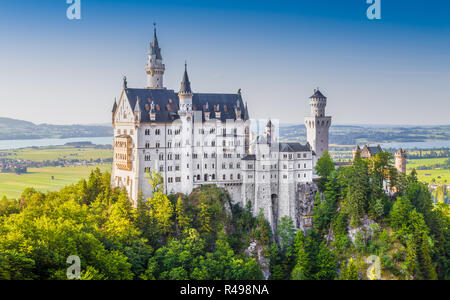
(205, 235)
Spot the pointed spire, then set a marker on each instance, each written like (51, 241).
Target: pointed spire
(115, 105)
(246, 115)
(137, 107)
(154, 48)
(185, 83)
(125, 82)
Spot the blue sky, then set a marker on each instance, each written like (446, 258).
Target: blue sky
(390, 71)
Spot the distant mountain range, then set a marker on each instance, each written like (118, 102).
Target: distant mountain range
(360, 134)
(12, 129)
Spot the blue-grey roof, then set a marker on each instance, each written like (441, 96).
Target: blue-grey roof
(154, 48)
(294, 147)
(249, 157)
(168, 103)
(185, 83)
(317, 94)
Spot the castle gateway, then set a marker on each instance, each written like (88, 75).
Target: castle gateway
(194, 139)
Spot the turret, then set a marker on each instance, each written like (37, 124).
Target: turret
(269, 132)
(185, 94)
(400, 161)
(317, 124)
(155, 67)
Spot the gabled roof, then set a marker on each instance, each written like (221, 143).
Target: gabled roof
(166, 104)
(294, 147)
(373, 150)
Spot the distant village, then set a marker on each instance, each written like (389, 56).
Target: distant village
(9, 164)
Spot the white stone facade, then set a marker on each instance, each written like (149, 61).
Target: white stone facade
(197, 139)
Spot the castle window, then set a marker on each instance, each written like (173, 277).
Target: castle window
(285, 176)
(157, 145)
(177, 168)
(213, 143)
(284, 167)
(170, 180)
(239, 176)
(169, 168)
(231, 177)
(147, 145)
(198, 167)
(161, 156)
(224, 178)
(178, 179)
(169, 156)
(205, 155)
(305, 166)
(213, 176)
(157, 132)
(304, 155)
(304, 175)
(147, 157)
(206, 166)
(177, 156)
(238, 166)
(198, 177)
(147, 131)
(161, 168)
(169, 131)
(169, 144)
(231, 165)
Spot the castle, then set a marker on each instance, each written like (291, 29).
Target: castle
(196, 139)
(370, 151)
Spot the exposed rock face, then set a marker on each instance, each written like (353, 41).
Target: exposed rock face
(256, 251)
(305, 202)
(365, 229)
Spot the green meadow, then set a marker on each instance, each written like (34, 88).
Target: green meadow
(439, 175)
(63, 152)
(12, 185)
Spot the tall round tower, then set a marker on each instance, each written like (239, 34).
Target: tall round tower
(155, 67)
(317, 124)
(400, 161)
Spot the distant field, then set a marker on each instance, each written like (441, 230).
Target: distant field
(12, 185)
(64, 152)
(428, 175)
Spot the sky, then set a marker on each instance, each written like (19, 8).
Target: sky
(395, 70)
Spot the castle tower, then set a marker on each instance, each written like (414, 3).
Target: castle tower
(187, 122)
(155, 67)
(269, 132)
(355, 151)
(400, 161)
(185, 93)
(317, 124)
